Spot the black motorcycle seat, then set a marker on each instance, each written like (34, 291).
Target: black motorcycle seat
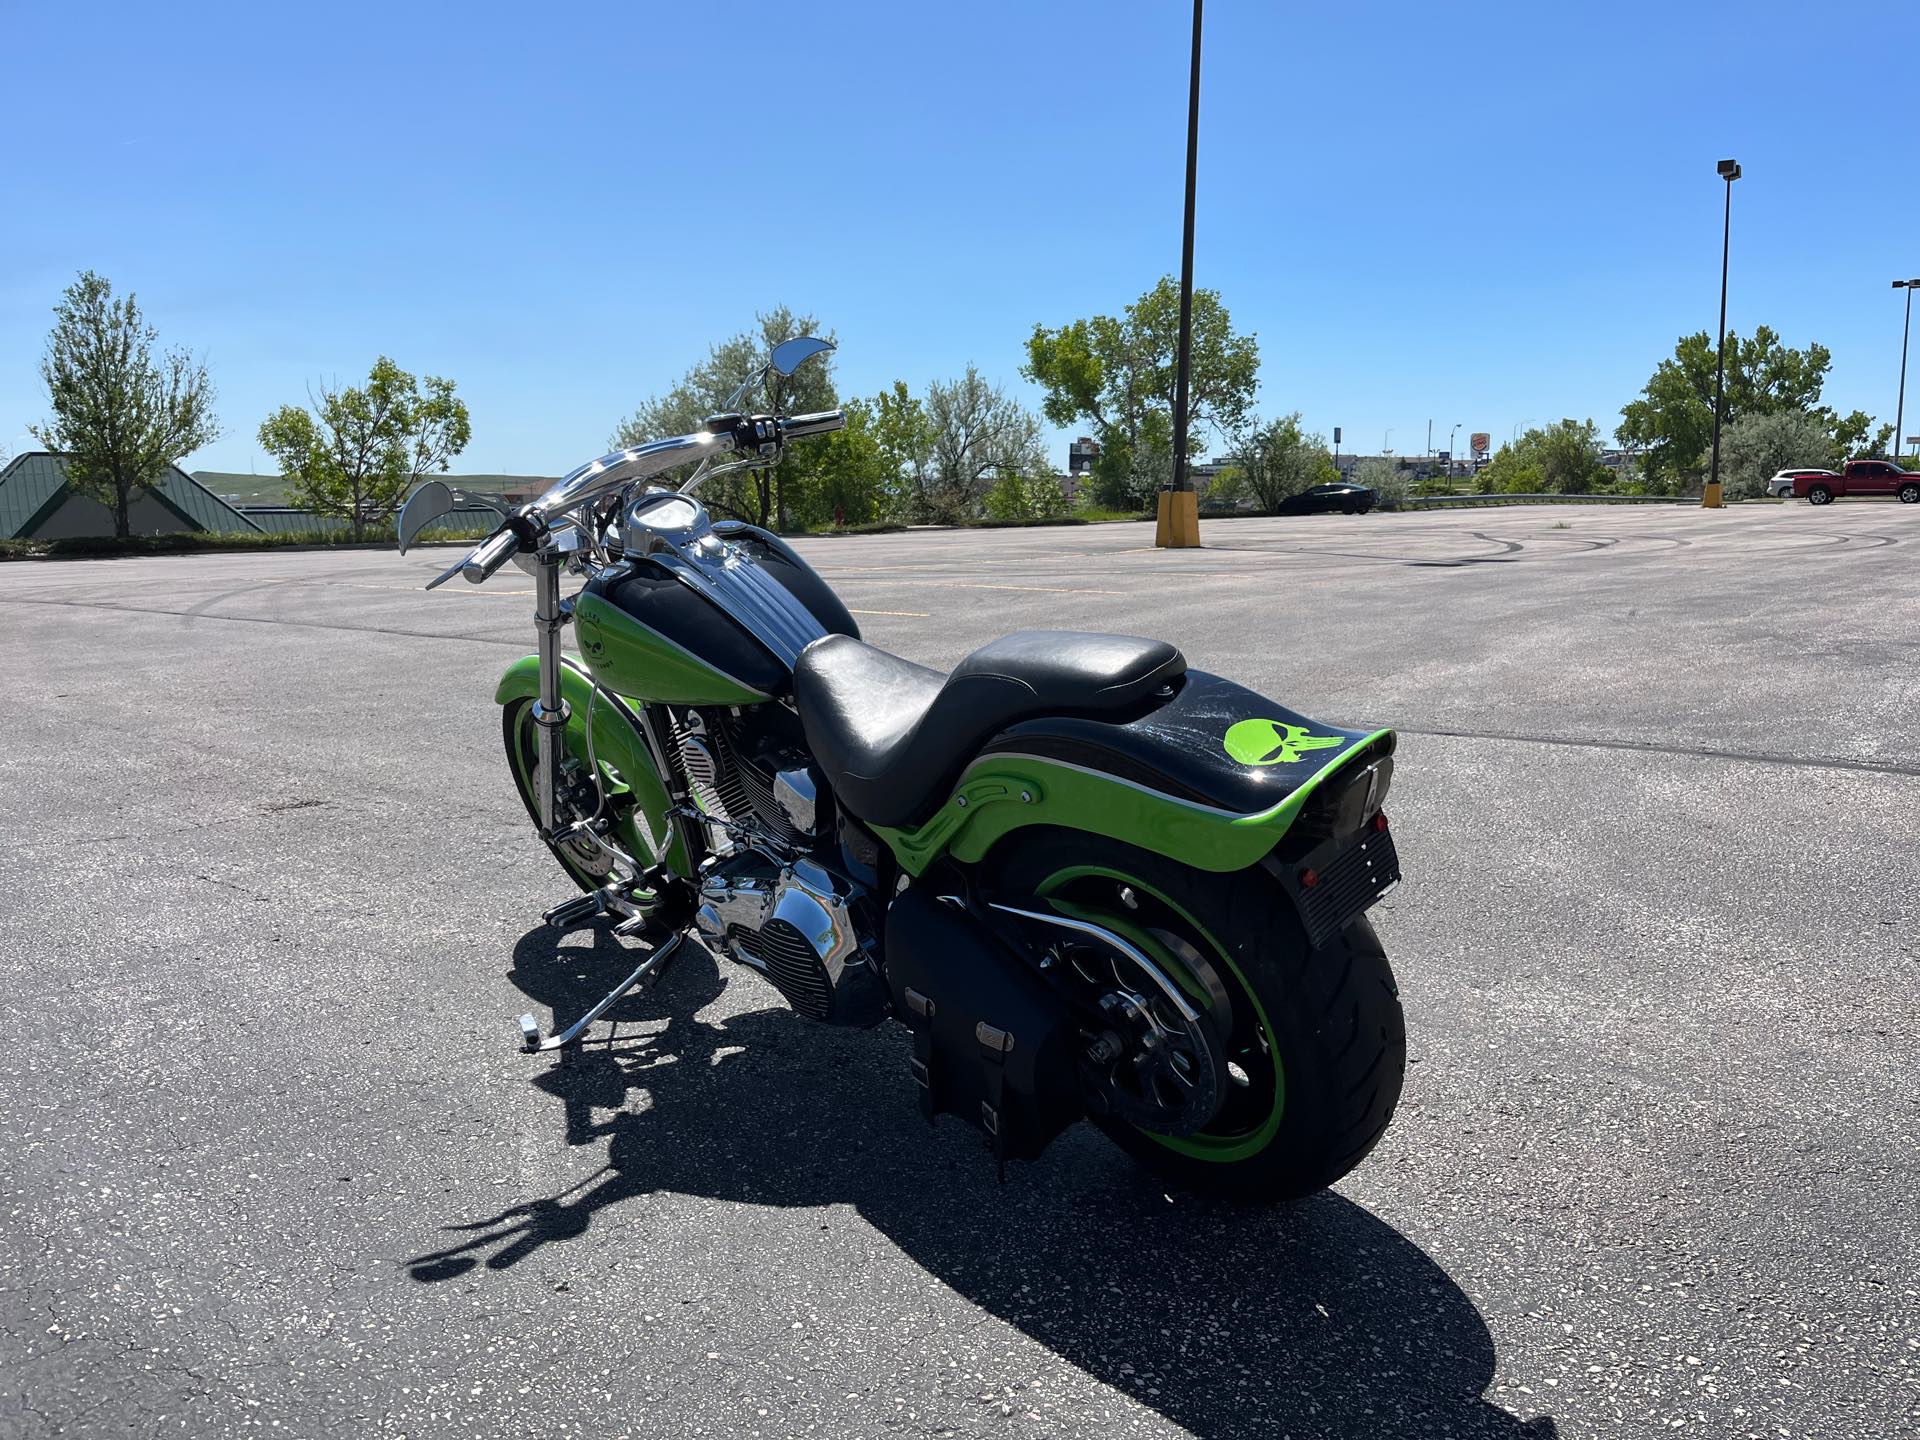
(890, 735)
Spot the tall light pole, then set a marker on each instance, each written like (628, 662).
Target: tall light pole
(1180, 511)
(1451, 452)
(1900, 406)
(1710, 497)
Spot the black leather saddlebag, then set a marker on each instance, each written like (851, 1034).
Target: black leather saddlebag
(991, 1043)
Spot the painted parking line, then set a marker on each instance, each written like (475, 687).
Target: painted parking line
(924, 583)
(902, 614)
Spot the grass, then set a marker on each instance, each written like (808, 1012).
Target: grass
(249, 489)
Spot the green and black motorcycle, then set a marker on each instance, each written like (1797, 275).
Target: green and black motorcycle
(1090, 881)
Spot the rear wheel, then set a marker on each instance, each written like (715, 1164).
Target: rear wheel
(1910, 494)
(1308, 1047)
(1819, 495)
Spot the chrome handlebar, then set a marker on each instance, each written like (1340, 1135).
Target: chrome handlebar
(799, 427)
(615, 471)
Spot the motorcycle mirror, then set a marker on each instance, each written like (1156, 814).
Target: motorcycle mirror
(423, 507)
(789, 355)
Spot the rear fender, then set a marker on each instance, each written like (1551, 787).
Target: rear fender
(621, 748)
(1215, 778)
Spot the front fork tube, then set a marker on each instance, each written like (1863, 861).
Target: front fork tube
(550, 711)
(551, 714)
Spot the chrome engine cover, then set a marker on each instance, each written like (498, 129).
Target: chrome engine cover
(795, 923)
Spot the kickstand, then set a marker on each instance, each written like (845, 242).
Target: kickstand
(655, 961)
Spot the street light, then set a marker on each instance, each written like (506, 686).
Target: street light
(1179, 518)
(1900, 406)
(1729, 171)
(1451, 452)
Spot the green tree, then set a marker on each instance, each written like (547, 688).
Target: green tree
(121, 415)
(1386, 479)
(1227, 489)
(1855, 437)
(1035, 496)
(358, 452)
(1116, 374)
(1563, 458)
(1280, 460)
(977, 435)
(1755, 446)
(759, 495)
(905, 437)
(846, 480)
(1672, 420)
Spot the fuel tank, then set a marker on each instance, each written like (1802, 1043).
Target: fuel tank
(648, 635)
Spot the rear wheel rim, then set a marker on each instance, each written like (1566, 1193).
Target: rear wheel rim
(1254, 1100)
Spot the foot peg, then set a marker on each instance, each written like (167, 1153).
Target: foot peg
(633, 904)
(646, 971)
(570, 913)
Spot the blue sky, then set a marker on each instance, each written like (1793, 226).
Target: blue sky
(1486, 214)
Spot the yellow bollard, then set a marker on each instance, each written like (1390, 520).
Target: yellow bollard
(1710, 496)
(1177, 520)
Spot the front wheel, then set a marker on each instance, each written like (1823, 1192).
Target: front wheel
(588, 867)
(1309, 1045)
(1910, 494)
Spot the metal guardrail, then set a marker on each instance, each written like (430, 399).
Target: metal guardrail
(1549, 497)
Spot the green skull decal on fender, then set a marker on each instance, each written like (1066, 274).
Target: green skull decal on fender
(1273, 742)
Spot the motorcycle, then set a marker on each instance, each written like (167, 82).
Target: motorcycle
(1091, 882)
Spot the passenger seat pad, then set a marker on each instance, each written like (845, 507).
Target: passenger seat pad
(891, 735)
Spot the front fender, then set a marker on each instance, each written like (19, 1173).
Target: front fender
(647, 828)
(1214, 778)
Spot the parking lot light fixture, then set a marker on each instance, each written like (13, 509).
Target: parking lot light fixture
(1729, 171)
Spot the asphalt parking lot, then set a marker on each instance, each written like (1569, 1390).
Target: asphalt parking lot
(269, 904)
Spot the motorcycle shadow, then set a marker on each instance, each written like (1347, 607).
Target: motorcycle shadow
(1311, 1319)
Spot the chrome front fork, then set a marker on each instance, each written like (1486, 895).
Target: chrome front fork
(550, 710)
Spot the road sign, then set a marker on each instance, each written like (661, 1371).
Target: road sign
(1336, 434)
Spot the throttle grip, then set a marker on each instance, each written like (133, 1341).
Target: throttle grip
(489, 555)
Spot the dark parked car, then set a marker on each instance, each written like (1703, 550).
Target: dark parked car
(1325, 499)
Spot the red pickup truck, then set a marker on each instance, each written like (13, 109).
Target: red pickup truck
(1861, 477)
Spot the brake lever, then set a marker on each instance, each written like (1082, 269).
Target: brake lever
(448, 573)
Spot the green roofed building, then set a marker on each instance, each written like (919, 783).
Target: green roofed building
(37, 503)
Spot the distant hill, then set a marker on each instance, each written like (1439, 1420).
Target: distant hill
(272, 489)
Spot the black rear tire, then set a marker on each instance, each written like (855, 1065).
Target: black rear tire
(1331, 1017)
(1819, 495)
